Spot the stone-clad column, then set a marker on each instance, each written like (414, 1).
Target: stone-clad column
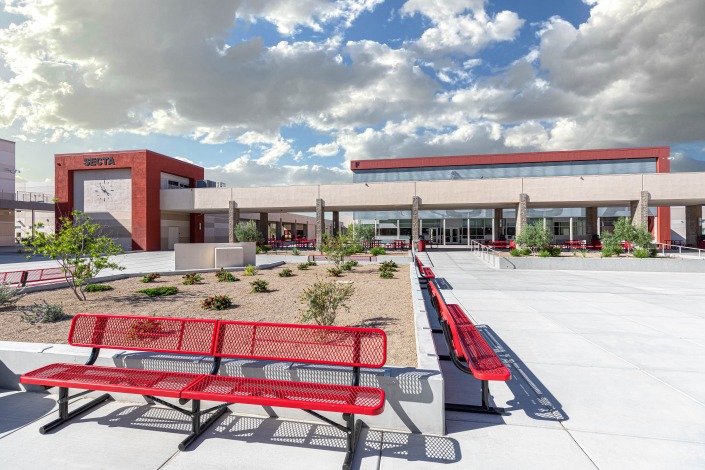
(692, 230)
(263, 225)
(497, 224)
(415, 202)
(278, 230)
(521, 212)
(233, 220)
(336, 223)
(320, 222)
(640, 210)
(591, 225)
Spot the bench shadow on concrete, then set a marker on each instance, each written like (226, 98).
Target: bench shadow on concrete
(401, 384)
(530, 395)
(313, 436)
(20, 409)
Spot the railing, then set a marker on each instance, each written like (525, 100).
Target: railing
(479, 247)
(680, 248)
(22, 278)
(25, 196)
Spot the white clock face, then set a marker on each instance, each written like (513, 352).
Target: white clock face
(106, 195)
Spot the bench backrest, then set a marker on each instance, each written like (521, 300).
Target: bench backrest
(343, 346)
(142, 333)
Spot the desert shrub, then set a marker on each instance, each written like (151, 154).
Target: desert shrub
(515, 252)
(544, 253)
(302, 267)
(333, 271)
(641, 253)
(353, 263)
(150, 277)
(9, 294)
(259, 285)
(191, 279)
(386, 274)
(554, 250)
(97, 288)
(583, 253)
(216, 302)
(286, 272)
(295, 251)
(377, 251)
(608, 251)
(42, 312)
(258, 250)
(311, 263)
(266, 248)
(324, 298)
(250, 270)
(653, 252)
(346, 267)
(225, 276)
(526, 251)
(159, 291)
(388, 265)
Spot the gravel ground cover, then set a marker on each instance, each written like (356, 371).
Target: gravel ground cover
(380, 303)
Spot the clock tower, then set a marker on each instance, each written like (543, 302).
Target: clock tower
(120, 190)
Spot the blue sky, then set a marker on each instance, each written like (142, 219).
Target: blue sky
(280, 92)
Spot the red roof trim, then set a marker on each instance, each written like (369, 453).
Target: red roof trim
(661, 153)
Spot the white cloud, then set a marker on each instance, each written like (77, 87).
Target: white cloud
(245, 171)
(325, 150)
(461, 26)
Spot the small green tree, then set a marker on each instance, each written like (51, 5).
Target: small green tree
(535, 236)
(247, 232)
(336, 249)
(364, 233)
(634, 235)
(79, 249)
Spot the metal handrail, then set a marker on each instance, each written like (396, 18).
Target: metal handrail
(477, 246)
(26, 196)
(701, 252)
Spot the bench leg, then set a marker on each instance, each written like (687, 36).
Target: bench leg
(485, 408)
(197, 427)
(354, 428)
(65, 414)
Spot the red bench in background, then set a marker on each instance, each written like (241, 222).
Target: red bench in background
(424, 273)
(332, 346)
(466, 343)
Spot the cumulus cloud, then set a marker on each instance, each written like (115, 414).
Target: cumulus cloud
(461, 25)
(245, 171)
(632, 75)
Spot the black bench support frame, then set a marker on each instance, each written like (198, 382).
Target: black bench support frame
(485, 408)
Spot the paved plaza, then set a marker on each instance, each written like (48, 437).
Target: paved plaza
(607, 373)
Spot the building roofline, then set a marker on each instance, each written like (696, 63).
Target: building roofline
(114, 152)
(9, 141)
(512, 158)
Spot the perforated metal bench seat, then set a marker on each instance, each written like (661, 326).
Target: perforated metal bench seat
(481, 359)
(111, 379)
(301, 395)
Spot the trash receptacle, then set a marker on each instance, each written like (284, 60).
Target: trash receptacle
(422, 243)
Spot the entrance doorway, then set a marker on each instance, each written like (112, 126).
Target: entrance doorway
(172, 237)
(452, 235)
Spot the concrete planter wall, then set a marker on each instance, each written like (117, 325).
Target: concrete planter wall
(578, 263)
(202, 255)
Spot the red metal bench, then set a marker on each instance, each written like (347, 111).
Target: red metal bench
(466, 343)
(424, 273)
(337, 346)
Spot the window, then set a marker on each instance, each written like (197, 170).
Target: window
(561, 228)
